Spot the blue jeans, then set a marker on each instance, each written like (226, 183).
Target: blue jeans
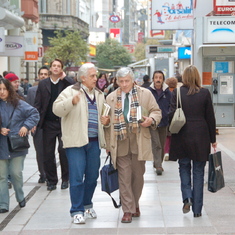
(84, 164)
(192, 189)
(13, 167)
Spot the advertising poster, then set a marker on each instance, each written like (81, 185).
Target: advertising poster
(172, 14)
(224, 7)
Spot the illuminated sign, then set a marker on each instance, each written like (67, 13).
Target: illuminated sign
(184, 53)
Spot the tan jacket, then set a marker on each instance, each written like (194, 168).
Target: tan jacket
(146, 100)
(74, 122)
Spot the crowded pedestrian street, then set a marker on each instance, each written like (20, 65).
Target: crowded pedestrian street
(47, 212)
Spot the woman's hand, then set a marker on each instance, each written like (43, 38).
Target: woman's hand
(23, 131)
(4, 131)
(105, 120)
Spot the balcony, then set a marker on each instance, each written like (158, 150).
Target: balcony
(30, 8)
(63, 22)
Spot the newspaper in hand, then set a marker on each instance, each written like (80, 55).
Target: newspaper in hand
(105, 110)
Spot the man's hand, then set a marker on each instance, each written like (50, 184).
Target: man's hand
(76, 98)
(63, 75)
(105, 120)
(33, 130)
(147, 121)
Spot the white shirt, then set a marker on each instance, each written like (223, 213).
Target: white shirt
(55, 82)
(91, 93)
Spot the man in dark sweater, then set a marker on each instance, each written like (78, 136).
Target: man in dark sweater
(162, 94)
(47, 92)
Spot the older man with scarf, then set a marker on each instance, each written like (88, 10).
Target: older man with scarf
(129, 140)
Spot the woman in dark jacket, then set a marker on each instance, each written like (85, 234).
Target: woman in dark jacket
(192, 144)
(24, 118)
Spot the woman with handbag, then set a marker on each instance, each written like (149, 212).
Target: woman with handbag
(191, 145)
(18, 117)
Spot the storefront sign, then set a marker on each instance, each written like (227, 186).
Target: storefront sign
(114, 18)
(184, 53)
(224, 7)
(14, 46)
(219, 30)
(2, 39)
(31, 46)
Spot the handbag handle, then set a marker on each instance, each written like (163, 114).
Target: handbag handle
(178, 100)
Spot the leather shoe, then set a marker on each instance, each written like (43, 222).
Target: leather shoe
(187, 204)
(197, 215)
(127, 217)
(41, 180)
(51, 187)
(22, 203)
(137, 213)
(64, 185)
(3, 210)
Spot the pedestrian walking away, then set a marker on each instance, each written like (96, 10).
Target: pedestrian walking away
(191, 146)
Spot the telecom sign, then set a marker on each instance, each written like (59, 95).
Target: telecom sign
(114, 18)
(184, 53)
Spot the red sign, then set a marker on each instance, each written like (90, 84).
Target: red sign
(40, 52)
(224, 7)
(31, 55)
(115, 33)
(130, 48)
(140, 37)
(114, 18)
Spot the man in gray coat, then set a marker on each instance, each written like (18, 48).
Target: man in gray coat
(43, 73)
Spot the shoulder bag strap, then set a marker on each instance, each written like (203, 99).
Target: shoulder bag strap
(9, 123)
(179, 98)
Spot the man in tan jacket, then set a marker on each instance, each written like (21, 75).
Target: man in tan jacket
(128, 138)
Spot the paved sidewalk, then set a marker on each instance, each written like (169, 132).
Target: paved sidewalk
(160, 204)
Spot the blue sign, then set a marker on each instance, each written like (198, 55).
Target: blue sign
(184, 53)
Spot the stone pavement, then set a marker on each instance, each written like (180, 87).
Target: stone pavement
(160, 204)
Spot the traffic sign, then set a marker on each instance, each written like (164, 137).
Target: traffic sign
(114, 18)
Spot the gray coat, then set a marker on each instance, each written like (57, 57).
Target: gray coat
(194, 139)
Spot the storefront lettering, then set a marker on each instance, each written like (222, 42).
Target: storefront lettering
(216, 22)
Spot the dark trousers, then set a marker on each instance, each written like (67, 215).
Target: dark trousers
(192, 189)
(38, 145)
(51, 132)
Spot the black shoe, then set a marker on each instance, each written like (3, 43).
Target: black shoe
(197, 215)
(64, 185)
(9, 184)
(22, 203)
(187, 204)
(3, 210)
(42, 180)
(51, 187)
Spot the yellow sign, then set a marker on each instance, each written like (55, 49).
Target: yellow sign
(92, 50)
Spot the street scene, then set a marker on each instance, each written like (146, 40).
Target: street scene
(161, 204)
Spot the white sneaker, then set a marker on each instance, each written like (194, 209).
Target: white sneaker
(90, 214)
(79, 219)
(166, 157)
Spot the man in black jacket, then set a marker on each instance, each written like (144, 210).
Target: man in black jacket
(47, 92)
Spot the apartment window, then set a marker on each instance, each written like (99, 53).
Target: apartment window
(43, 6)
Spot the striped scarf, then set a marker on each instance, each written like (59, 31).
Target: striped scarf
(120, 128)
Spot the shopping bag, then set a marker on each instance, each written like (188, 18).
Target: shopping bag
(215, 172)
(109, 179)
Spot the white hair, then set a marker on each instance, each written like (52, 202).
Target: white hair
(123, 72)
(83, 70)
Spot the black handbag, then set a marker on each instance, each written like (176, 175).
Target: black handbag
(109, 179)
(16, 142)
(215, 173)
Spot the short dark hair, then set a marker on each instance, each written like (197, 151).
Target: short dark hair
(62, 65)
(146, 78)
(43, 67)
(159, 71)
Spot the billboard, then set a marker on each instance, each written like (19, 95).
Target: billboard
(172, 14)
(14, 46)
(224, 7)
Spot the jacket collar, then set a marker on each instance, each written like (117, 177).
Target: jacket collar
(77, 86)
(164, 86)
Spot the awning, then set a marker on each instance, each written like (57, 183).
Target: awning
(8, 20)
(216, 45)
